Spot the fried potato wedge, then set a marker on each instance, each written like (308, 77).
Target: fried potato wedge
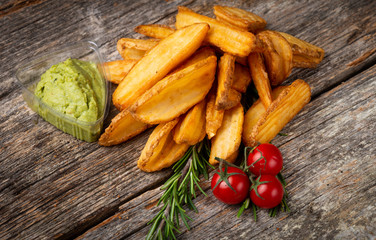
(227, 38)
(228, 138)
(191, 127)
(176, 93)
(141, 44)
(305, 55)
(300, 61)
(226, 96)
(233, 98)
(213, 116)
(201, 54)
(255, 112)
(160, 60)
(240, 18)
(123, 127)
(278, 56)
(134, 49)
(132, 54)
(233, 157)
(262, 125)
(260, 78)
(118, 69)
(242, 78)
(160, 150)
(155, 30)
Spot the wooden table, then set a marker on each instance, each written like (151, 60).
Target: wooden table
(54, 186)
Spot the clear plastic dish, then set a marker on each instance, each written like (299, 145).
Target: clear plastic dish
(29, 74)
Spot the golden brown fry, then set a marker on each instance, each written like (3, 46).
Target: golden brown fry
(226, 96)
(141, 44)
(155, 65)
(118, 69)
(160, 150)
(300, 61)
(233, 99)
(228, 138)
(278, 56)
(227, 38)
(123, 127)
(214, 117)
(132, 54)
(134, 49)
(260, 78)
(242, 78)
(305, 55)
(199, 55)
(191, 127)
(155, 30)
(176, 93)
(261, 126)
(240, 18)
(233, 157)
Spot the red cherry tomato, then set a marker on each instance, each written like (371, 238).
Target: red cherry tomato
(265, 159)
(270, 193)
(239, 182)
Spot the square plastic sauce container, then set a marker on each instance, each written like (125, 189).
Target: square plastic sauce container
(29, 74)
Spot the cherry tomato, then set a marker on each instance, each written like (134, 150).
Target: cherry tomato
(270, 191)
(239, 182)
(266, 159)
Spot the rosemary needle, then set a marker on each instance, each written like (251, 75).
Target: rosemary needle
(180, 189)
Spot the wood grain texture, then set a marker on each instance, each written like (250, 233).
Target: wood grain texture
(54, 186)
(331, 183)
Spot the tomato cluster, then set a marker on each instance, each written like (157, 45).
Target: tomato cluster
(232, 185)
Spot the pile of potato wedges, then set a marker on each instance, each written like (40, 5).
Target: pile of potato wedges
(188, 83)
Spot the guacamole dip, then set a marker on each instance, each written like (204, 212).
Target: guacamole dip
(74, 88)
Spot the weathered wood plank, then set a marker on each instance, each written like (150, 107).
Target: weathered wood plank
(330, 167)
(54, 185)
(47, 177)
(11, 6)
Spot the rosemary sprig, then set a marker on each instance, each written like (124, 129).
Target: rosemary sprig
(180, 189)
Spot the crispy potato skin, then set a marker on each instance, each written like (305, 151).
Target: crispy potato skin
(155, 65)
(213, 116)
(191, 127)
(228, 138)
(201, 54)
(141, 44)
(228, 39)
(134, 49)
(155, 30)
(262, 125)
(226, 96)
(260, 78)
(123, 127)
(160, 150)
(118, 69)
(305, 55)
(277, 54)
(239, 18)
(177, 93)
(242, 78)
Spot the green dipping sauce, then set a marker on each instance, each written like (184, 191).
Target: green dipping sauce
(74, 88)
